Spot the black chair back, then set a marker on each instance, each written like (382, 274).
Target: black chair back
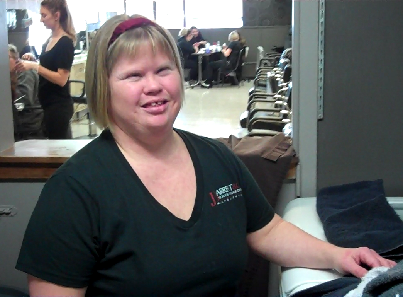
(239, 60)
(80, 97)
(287, 73)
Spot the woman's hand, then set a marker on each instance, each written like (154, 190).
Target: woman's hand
(21, 66)
(355, 261)
(28, 57)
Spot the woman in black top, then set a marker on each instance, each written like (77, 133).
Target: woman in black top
(121, 214)
(197, 37)
(228, 61)
(187, 49)
(54, 68)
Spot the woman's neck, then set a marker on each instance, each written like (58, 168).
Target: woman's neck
(151, 146)
(58, 32)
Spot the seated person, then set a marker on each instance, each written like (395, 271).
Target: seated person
(182, 34)
(187, 49)
(24, 88)
(148, 210)
(228, 61)
(197, 37)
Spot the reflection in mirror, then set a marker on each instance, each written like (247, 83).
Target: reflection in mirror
(272, 32)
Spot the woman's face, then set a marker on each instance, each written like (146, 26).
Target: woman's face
(48, 19)
(195, 32)
(146, 92)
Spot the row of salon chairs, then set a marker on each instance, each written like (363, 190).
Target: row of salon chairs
(268, 109)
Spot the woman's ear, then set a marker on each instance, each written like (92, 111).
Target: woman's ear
(57, 16)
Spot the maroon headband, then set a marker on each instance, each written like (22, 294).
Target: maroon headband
(127, 25)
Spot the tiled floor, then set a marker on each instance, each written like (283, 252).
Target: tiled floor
(209, 112)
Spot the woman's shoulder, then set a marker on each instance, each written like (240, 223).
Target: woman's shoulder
(65, 42)
(93, 158)
(65, 39)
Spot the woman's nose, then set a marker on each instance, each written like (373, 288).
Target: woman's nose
(152, 83)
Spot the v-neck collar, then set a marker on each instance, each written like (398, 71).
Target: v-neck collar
(165, 213)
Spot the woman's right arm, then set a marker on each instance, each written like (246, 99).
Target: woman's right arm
(41, 288)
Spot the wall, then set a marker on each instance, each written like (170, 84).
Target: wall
(23, 198)
(18, 39)
(267, 12)
(361, 135)
(305, 93)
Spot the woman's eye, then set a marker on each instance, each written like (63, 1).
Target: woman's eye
(164, 70)
(134, 75)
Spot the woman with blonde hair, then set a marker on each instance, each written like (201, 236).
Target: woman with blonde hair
(187, 49)
(54, 67)
(230, 55)
(149, 210)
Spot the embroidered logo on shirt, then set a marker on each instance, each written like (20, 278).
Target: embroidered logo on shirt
(225, 194)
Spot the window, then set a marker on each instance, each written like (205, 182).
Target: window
(170, 14)
(38, 34)
(143, 7)
(214, 13)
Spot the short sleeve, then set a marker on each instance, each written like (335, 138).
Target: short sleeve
(65, 49)
(61, 241)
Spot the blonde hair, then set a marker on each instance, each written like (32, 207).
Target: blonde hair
(101, 60)
(183, 32)
(233, 36)
(65, 17)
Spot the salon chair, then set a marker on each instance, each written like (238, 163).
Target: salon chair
(270, 102)
(268, 116)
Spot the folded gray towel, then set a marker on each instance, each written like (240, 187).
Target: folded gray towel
(358, 214)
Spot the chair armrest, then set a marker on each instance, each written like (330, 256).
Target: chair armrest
(262, 132)
(252, 102)
(275, 120)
